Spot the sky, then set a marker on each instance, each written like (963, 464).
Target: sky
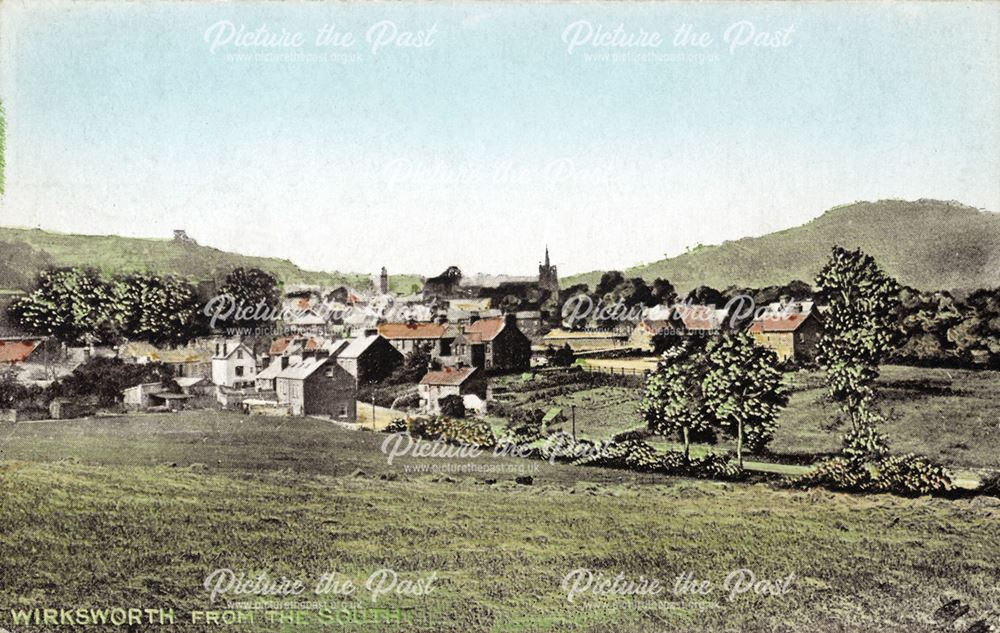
(348, 136)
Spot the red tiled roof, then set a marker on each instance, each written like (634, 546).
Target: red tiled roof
(783, 323)
(447, 376)
(656, 326)
(17, 351)
(411, 330)
(280, 344)
(483, 330)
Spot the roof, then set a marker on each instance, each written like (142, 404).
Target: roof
(301, 371)
(270, 372)
(189, 381)
(139, 350)
(483, 330)
(698, 317)
(356, 347)
(448, 376)
(412, 330)
(780, 323)
(656, 326)
(283, 345)
(232, 350)
(17, 350)
(559, 334)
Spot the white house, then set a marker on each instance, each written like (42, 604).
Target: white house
(234, 365)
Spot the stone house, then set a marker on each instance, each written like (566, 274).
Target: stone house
(318, 386)
(794, 336)
(460, 381)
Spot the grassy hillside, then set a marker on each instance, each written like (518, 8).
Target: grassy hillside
(927, 244)
(23, 252)
(147, 506)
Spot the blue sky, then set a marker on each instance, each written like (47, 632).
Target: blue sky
(493, 138)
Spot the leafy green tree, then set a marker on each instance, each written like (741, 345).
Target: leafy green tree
(452, 406)
(157, 309)
(859, 330)
(105, 378)
(664, 292)
(742, 390)
(673, 401)
(254, 290)
(71, 304)
(414, 367)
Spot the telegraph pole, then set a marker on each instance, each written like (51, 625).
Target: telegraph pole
(573, 409)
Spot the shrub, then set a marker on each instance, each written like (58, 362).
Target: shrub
(839, 473)
(397, 425)
(715, 466)
(452, 406)
(912, 475)
(907, 475)
(990, 485)
(470, 432)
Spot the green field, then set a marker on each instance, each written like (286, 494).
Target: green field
(137, 510)
(950, 415)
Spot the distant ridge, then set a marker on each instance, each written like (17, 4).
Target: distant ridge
(927, 244)
(24, 252)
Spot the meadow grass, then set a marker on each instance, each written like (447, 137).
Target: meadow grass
(138, 510)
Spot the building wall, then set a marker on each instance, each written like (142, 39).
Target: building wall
(807, 340)
(510, 350)
(331, 391)
(783, 343)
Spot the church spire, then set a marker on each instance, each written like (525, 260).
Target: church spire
(546, 255)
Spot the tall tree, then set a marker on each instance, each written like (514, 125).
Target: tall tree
(157, 309)
(71, 304)
(254, 290)
(859, 329)
(673, 402)
(743, 390)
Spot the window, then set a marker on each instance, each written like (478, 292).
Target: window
(239, 370)
(239, 354)
(343, 411)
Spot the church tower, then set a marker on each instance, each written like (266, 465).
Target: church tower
(383, 281)
(548, 278)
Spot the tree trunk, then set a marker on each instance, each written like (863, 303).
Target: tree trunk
(687, 446)
(739, 443)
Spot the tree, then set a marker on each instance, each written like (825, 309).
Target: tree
(105, 378)
(157, 309)
(859, 329)
(71, 304)
(673, 401)
(452, 406)
(609, 281)
(664, 292)
(562, 357)
(706, 296)
(414, 366)
(743, 390)
(254, 290)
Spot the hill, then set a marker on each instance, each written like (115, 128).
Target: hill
(927, 244)
(23, 252)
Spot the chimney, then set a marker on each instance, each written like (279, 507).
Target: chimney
(510, 319)
(473, 317)
(284, 362)
(371, 331)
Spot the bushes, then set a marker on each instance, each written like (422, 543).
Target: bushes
(469, 432)
(906, 475)
(990, 485)
(630, 453)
